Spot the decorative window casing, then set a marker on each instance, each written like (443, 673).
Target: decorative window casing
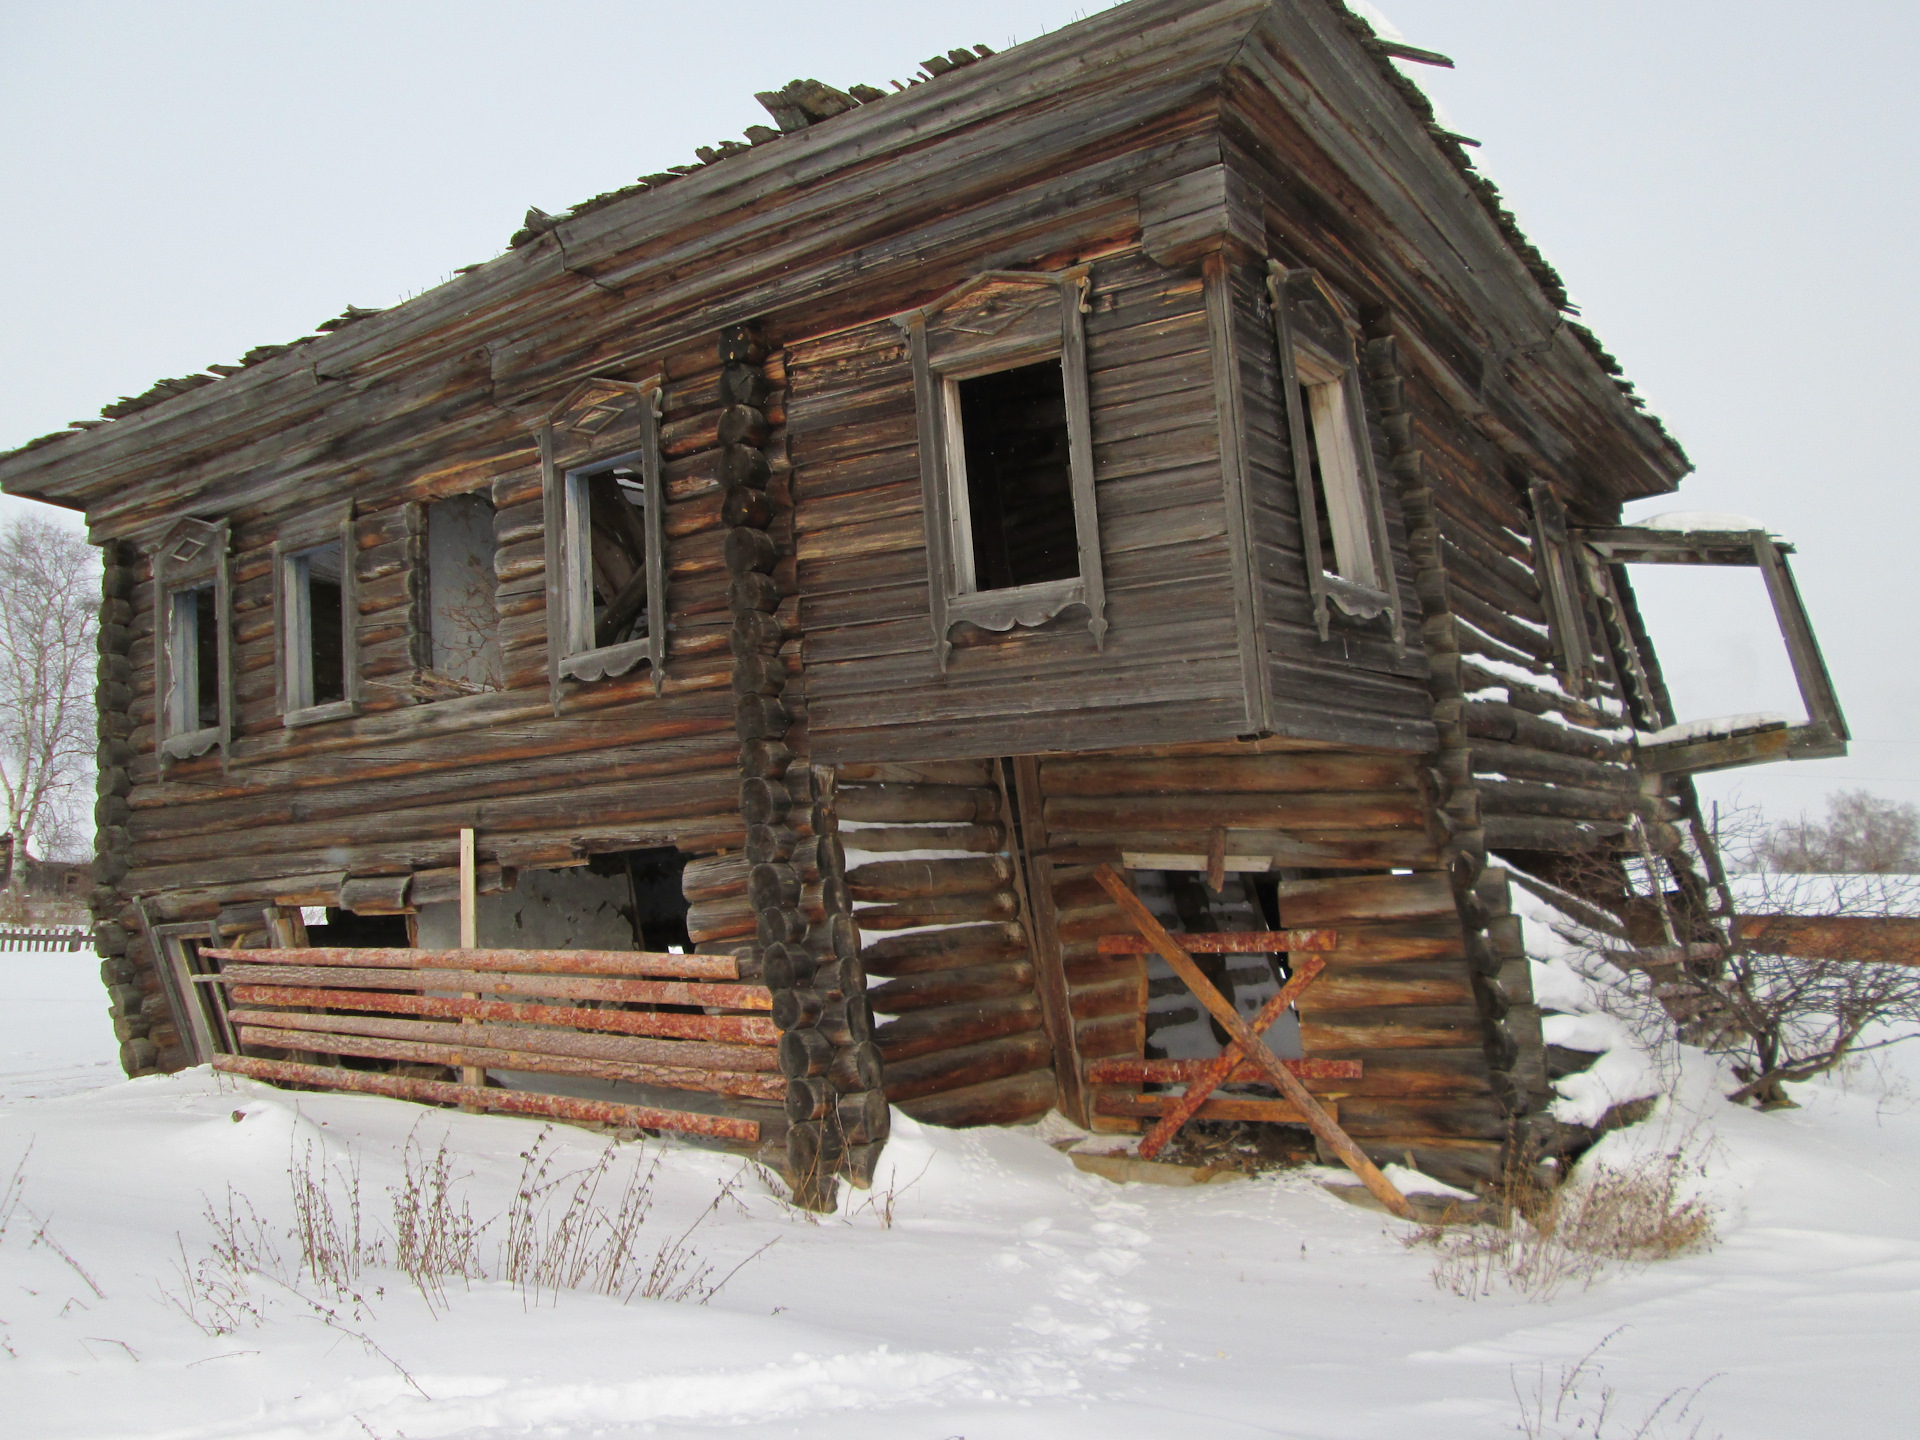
(1558, 571)
(192, 626)
(1343, 526)
(1006, 453)
(315, 611)
(606, 534)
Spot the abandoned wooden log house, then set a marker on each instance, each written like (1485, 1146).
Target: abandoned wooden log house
(1152, 446)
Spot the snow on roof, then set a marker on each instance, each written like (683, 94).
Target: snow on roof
(1700, 520)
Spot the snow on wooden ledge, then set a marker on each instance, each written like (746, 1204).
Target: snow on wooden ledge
(1707, 729)
(1699, 520)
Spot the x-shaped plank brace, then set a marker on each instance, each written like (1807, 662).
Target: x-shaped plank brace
(1248, 1044)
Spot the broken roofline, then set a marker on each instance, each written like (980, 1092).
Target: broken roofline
(1211, 34)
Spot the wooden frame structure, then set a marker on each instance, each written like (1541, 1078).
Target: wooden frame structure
(1195, 204)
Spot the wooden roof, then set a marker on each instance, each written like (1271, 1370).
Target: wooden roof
(906, 194)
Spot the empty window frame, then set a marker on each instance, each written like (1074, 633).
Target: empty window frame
(1011, 478)
(314, 619)
(1006, 447)
(1705, 745)
(1558, 573)
(459, 620)
(1349, 561)
(612, 579)
(191, 660)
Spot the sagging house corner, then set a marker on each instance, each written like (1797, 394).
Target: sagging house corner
(1152, 447)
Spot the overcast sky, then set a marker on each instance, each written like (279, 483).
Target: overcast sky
(1725, 188)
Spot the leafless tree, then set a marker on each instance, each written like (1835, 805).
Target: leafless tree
(1819, 967)
(1864, 834)
(49, 603)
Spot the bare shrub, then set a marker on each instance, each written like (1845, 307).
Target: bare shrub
(435, 1237)
(1863, 834)
(333, 1247)
(558, 1233)
(1573, 1233)
(1578, 1404)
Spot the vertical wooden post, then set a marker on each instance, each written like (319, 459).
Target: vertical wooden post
(1043, 934)
(469, 934)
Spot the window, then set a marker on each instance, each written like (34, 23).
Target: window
(1014, 472)
(1701, 745)
(461, 624)
(191, 661)
(606, 560)
(314, 604)
(193, 640)
(612, 568)
(1349, 562)
(1006, 453)
(1558, 573)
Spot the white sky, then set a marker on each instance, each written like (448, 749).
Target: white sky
(1726, 190)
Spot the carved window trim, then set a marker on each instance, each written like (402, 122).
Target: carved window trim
(942, 357)
(1824, 735)
(1314, 336)
(592, 407)
(327, 525)
(191, 554)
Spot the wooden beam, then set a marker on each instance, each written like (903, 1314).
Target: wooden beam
(1317, 1120)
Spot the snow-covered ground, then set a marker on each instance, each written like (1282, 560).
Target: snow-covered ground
(1012, 1296)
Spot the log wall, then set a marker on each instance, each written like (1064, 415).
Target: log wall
(945, 941)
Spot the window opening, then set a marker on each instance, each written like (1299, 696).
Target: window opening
(1340, 504)
(193, 662)
(612, 589)
(1015, 479)
(463, 624)
(316, 628)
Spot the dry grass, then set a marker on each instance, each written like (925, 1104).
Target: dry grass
(1574, 1233)
(1578, 1404)
(575, 1229)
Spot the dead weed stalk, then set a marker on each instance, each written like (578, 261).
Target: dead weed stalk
(1573, 1233)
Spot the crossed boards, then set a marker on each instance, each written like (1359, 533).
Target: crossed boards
(1245, 1045)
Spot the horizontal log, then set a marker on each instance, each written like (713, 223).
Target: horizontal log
(950, 987)
(651, 964)
(737, 1029)
(987, 839)
(1877, 939)
(662, 1058)
(1395, 1027)
(1532, 832)
(1271, 1112)
(481, 1097)
(569, 987)
(1451, 1116)
(897, 803)
(939, 909)
(947, 949)
(967, 1065)
(1177, 1072)
(1228, 942)
(953, 1026)
(993, 1102)
(1368, 810)
(891, 880)
(1330, 902)
(1226, 774)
